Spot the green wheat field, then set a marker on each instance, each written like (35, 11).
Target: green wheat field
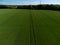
(29, 27)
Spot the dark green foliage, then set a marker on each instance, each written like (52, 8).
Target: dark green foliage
(3, 6)
(38, 7)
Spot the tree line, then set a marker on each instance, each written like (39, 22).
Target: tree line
(37, 7)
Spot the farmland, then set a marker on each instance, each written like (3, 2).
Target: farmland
(29, 27)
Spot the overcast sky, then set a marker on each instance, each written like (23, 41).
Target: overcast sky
(20, 2)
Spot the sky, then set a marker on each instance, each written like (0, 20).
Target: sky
(27, 2)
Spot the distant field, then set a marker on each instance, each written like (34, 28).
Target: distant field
(25, 27)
